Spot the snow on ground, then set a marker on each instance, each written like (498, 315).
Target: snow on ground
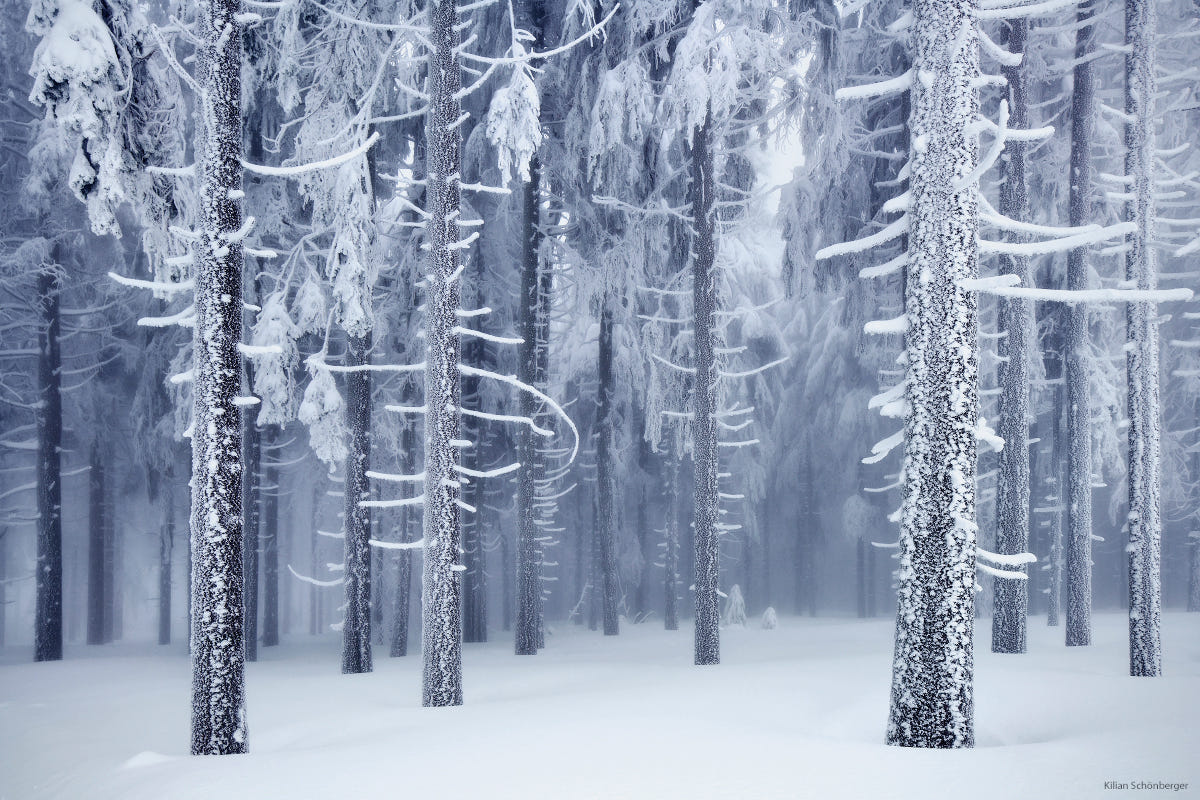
(794, 712)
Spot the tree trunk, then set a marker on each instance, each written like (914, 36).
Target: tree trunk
(704, 419)
(932, 701)
(671, 547)
(3, 582)
(268, 534)
(95, 604)
(442, 624)
(1078, 356)
(166, 546)
(218, 649)
(531, 324)
(1145, 522)
(48, 614)
(356, 632)
(606, 478)
(1011, 595)
(251, 509)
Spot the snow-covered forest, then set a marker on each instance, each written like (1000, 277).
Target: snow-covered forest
(651, 379)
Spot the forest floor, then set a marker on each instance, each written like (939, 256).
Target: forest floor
(794, 712)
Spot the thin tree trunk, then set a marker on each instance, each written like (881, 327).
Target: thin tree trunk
(95, 604)
(356, 632)
(1193, 537)
(3, 582)
(1145, 522)
(531, 327)
(1011, 595)
(251, 496)
(268, 534)
(671, 548)
(932, 702)
(408, 462)
(218, 648)
(1078, 356)
(48, 614)
(704, 420)
(594, 568)
(606, 533)
(442, 624)
(165, 548)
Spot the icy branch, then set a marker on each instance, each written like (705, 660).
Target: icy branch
(300, 169)
(900, 83)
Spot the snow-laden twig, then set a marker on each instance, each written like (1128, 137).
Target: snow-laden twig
(381, 544)
(900, 83)
(300, 169)
(157, 286)
(892, 231)
(314, 581)
(512, 380)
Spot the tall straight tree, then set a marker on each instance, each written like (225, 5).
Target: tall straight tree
(533, 317)
(442, 624)
(48, 612)
(1017, 323)
(605, 551)
(932, 702)
(218, 656)
(1078, 359)
(356, 632)
(1145, 521)
(707, 645)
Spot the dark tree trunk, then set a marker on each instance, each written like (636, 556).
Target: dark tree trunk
(95, 605)
(3, 579)
(356, 632)
(1141, 349)
(595, 570)
(408, 522)
(1011, 595)
(48, 630)
(1078, 496)
(704, 420)
(217, 635)
(251, 498)
(860, 571)
(474, 600)
(166, 547)
(531, 315)
(671, 548)
(932, 697)
(440, 597)
(268, 533)
(606, 475)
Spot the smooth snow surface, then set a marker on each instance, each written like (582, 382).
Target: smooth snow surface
(796, 712)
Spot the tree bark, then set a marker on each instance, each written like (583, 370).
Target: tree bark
(95, 606)
(606, 529)
(1011, 595)
(704, 396)
(268, 534)
(356, 632)
(932, 702)
(1078, 355)
(48, 630)
(217, 635)
(442, 624)
(671, 547)
(1142, 362)
(166, 547)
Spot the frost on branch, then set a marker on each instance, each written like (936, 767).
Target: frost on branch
(77, 76)
(274, 337)
(323, 412)
(514, 121)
